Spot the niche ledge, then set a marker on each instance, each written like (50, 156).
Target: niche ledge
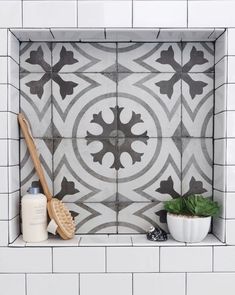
(138, 240)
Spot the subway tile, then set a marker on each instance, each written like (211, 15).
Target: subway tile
(33, 35)
(150, 283)
(104, 14)
(12, 284)
(220, 151)
(220, 197)
(141, 259)
(142, 241)
(79, 259)
(4, 180)
(4, 233)
(230, 233)
(230, 151)
(221, 72)
(14, 204)
(215, 34)
(219, 177)
(19, 242)
(231, 41)
(4, 152)
(230, 97)
(210, 240)
(231, 69)
(230, 124)
(14, 228)
(79, 34)
(158, 14)
(56, 241)
(220, 125)
(49, 14)
(11, 14)
(219, 228)
(211, 283)
(14, 179)
(13, 126)
(3, 69)
(13, 146)
(212, 13)
(224, 258)
(3, 97)
(3, 206)
(187, 259)
(199, 34)
(13, 73)
(132, 35)
(13, 260)
(3, 43)
(13, 99)
(46, 284)
(106, 284)
(13, 47)
(3, 126)
(221, 98)
(105, 240)
(230, 205)
(221, 47)
(174, 35)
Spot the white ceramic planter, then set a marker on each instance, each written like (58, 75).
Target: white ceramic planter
(188, 229)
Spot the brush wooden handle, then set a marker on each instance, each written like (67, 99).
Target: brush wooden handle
(34, 155)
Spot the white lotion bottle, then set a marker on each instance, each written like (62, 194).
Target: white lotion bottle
(34, 216)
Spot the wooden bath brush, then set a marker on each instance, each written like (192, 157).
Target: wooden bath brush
(61, 219)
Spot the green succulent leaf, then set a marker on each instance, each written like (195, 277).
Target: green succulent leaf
(175, 206)
(200, 206)
(194, 205)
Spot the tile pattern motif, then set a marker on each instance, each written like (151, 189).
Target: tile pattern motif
(120, 127)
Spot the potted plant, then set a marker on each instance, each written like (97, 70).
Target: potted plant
(189, 218)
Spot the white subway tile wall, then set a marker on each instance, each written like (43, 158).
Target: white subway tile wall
(49, 14)
(213, 283)
(162, 283)
(224, 259)
(212, 13)
(10, 14)
(106, 284)
(38, 284)
(9, 135)
(25, 260)
(160, 14)
(230, 232)
(138, 259)
(189, 259)
(74, 260)
(95, 14)
(12, 284)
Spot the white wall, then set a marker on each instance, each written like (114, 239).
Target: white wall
(117, 13)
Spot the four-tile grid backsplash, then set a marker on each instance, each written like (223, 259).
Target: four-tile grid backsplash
(120, 127)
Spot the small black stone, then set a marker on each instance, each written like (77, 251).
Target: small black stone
(156, 234)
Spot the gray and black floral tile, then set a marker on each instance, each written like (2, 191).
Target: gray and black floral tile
(120, 127)
(27, 172)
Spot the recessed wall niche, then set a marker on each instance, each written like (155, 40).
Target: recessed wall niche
(120, 127)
